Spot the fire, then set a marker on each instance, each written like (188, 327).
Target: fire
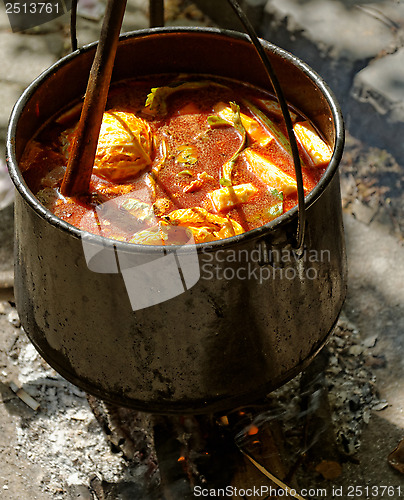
(253, 430)
(224, 420)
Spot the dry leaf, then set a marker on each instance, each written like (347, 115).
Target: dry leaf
(329, 469)
(396, 457)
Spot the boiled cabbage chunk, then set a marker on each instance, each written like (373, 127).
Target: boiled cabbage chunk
(269, 173)
(162, 233)
(156, 101)
(229, 197)
(124, 146)
(188, 225)
(254, 130)
(319, 152)
(204, 225)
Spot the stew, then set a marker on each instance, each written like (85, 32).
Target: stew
(187, 159)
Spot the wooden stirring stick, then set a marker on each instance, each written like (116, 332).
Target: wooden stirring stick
(76, 180)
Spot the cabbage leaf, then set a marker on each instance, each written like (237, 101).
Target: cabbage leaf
(156, 100)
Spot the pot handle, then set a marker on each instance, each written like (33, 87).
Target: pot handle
(299, 241)
(156, 9)
(73, 25)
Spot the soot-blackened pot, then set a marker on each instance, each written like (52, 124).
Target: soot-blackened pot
(251, 314)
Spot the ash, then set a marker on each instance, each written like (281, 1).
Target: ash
(349, 382)
(65, 439)
(63, 436)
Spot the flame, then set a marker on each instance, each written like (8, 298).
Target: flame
(224, 420)
(253, 430)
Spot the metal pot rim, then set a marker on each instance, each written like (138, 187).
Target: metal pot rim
(284, 219)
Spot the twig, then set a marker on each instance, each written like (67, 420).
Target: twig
(270, 476)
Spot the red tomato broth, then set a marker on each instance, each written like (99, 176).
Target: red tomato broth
(184, 125)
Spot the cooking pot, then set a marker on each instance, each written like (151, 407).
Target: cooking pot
(255, 312)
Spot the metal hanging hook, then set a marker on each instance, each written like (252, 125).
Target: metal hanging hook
(73, 25)
(156, 10)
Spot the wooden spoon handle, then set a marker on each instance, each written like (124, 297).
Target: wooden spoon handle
(76, 180)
